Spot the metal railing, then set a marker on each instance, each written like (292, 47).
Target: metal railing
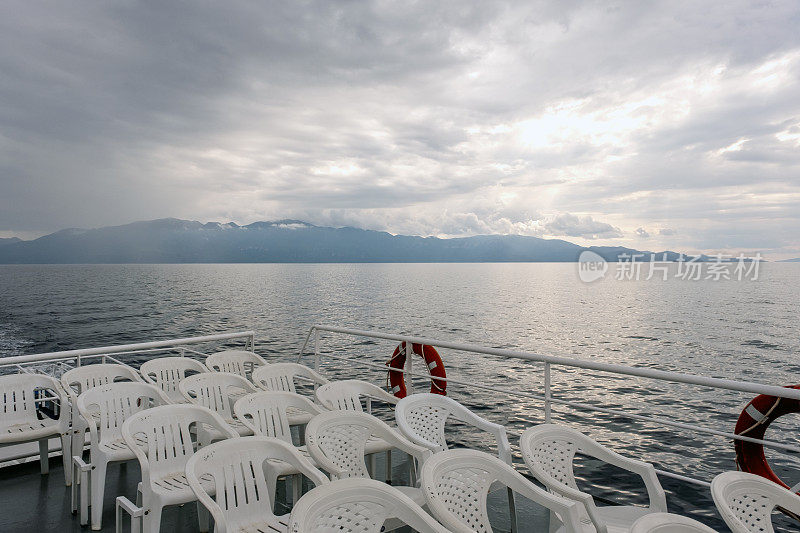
(547, 397)
(29, 363)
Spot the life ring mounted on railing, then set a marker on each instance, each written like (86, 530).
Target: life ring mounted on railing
(753, 422)
(396, 378)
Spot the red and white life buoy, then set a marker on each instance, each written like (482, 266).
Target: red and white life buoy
(397, 382)
(753, 422)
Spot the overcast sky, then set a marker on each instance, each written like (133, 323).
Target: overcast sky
(654, 125)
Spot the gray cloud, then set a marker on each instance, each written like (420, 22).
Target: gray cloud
(586, 227)
(433, 118)
(642, 233)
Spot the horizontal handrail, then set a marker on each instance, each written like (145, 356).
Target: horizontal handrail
(662, 375)
(579, 405)
(107, 350)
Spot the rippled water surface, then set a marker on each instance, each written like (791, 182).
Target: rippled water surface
(731, 329)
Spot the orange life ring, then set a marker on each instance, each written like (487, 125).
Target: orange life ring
(753, 422)
(396, 378)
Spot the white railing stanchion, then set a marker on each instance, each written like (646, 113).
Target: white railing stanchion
(548, 406)
(316, 350)
(408, 374)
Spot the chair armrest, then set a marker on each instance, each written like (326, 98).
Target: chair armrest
(655, 492)
(503, 447)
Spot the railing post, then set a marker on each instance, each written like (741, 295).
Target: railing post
(547, 394)
(409, 368)
(316, 350)
(252, 340)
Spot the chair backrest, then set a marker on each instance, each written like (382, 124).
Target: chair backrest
(85, 377)
(668, 523)
(346, 395)
(358, 506)
(18, 395)
(115, 403)
(281, 376)
(422, 418)
(162, 437)
(166, 372)
(213, 390)
(265, 412)
(234, 362)
(746, 501)
(244, 484)
(337, 442)
(457, 483)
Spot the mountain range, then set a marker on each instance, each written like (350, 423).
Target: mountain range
(172, 240)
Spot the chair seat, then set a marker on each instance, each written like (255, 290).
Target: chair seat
(174, 489)
(297, 417)
(279, 525)
(417, 495)
(285, 469)
(618, 518)
(116, 450)
(28, 430)
(376, 445)
(237, 426)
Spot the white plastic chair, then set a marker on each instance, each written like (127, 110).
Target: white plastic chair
(746, 501)
(113, 403)
(234, 362)
(422, 419)
(166, 372)
(337, 442)
(281, 377)
(20, 422)
(358, 505)
(267, 414)
(83, 378)
(217, 391)
(347, 395)
(161, 438)
(549, 449)
(457, 483)
(244, 482)
(668, 523)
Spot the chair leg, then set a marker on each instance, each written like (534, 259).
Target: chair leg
(151, 521)
(203, 518)
(512, 507)
(297, 487)
(98, 491)
(44, 455)
(66, 455)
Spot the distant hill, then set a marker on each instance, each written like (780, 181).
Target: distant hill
(10, 240)
(795, 260)
(284, 241)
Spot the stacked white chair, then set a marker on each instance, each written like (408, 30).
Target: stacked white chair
(20, 422)
(83, 378)
(238, 362)
(668, 523)
(217, 391)
(167, 372)
(422, 419)
(243, 495)
(162, 440)
(114, 403)
(281, 377)
(267, 414)
(549, 450)
(357, 505)
(337, 441)
(457, 483)
(747, 501)
(347, 395)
